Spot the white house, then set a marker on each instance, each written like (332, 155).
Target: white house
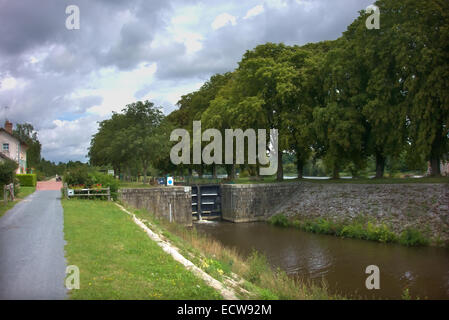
(12, 148)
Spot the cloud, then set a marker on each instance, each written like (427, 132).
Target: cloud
(64, 81)
(68, 140)
(223, 20)
(255, 11)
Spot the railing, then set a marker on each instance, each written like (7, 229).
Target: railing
(87, 192)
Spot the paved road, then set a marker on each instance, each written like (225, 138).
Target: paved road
(32, 263)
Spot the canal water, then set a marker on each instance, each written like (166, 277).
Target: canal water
(341, 262)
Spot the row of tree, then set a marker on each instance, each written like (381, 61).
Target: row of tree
(379, 93)
(137, 137)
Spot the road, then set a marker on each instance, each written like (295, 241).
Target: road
(32, 262)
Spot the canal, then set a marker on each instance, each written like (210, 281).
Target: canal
(341, 262)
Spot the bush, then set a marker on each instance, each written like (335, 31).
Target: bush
(412, 238)
(7, 171)
(77, 177)
(27, 180)
(106, 181)
(244, 174)
(279, 220)
(257, 266)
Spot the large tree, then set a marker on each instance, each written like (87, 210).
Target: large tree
(26, 133)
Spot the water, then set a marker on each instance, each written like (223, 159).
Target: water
(341, 262)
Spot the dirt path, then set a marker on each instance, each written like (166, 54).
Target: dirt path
(49, 185)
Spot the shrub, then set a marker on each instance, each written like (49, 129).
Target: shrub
(27, 180)
(279, 220)
(106, 181)
(412, 238)
(244, 174)
(257, 266)
(7, 171)
(380, 233)
(77, 176)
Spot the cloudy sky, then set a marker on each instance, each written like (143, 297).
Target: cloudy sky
(65, 81)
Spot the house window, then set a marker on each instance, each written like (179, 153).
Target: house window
(6, 147)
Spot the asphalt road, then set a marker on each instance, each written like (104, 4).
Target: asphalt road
(32, 262)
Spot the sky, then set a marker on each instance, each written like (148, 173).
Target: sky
(65, 81)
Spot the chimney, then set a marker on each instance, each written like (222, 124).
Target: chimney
(8, 126)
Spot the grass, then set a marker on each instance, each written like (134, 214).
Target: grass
(24, 192)
(117, 260)
(257, 280)
(360, 228)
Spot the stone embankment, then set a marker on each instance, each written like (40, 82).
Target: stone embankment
(421, 206)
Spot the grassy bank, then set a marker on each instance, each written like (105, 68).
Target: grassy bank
(255, 278)
(24, 192)
(117, 260)
(360, 228)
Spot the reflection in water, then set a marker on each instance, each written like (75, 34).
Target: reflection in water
(341, 262)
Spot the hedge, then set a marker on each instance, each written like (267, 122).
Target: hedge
(27, 180)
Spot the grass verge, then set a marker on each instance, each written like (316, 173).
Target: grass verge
(24, 192)
(117, 260)
(357, 229)
(252, 277)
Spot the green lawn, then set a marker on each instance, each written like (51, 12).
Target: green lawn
(24, 191)
(117, 260)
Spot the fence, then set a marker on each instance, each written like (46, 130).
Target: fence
(87, 192)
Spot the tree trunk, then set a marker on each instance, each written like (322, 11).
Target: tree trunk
(214, 171)
(128, 174)
(380, 165)
(335, 172)
(435, 167)
(145, 168)
(435, 153)
(280, 173)
(299, 165)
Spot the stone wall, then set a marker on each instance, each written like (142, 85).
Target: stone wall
(418, 205)
(254, 202)
(158, 200)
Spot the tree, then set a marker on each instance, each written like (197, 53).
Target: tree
(109, 146)
(338, 124)
(268, 74)
(26, 133)
(147, 138)
(418, 39)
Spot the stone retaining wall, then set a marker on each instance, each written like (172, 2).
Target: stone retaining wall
(158, 201)
(418, 205)
(254, 202)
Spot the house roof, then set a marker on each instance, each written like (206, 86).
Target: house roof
(20, 140)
